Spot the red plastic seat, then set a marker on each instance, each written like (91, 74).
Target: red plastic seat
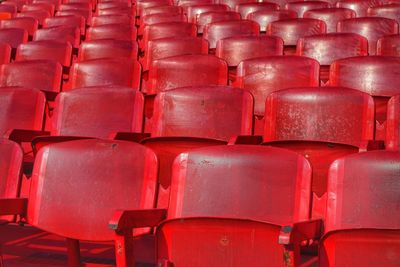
(10, 9)
(44, 75)
(233, 3)
(140, 5)
(111, 19)
(389, 46)
(246, 8)
(265, 17)
(210, 17)
(5, 53)
(104, 72)
(219, 30)
(86, 14)
(186, 70)
(160, 18)
(371, 28)
(13, 36)
(123, 32)
(59, 33)
(262, 76)
(69, 21)
(39, 6)
(391, 11)
(359, 6)
(11, 157)
(55, 3)
(194, 11)
(28, 24)
(16, 3)
(107, 49)
(39, 15)
(377, 76)
(162, 10)
(393, 124)
(301, 7)
(117, 11)
(113, 4)
(362, 226)
(331, 16)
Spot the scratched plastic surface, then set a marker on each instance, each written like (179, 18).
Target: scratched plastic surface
(168, 47)
(50, 50)
(98, 112)
(219, 30)
(265, 17)
(210, 17)
(301, 7)
(11, 157)
(326, 114)
(140, 5)
(39, 74)
(359, 6)
(5, 53)
(123, 32)
(393, 124)
(236, 49)
(13, 37)
(390, 11)
(160, 18)
(194, 11)
(111, 19)
(21, 108)
(105, 71)
(246, 8)
(71, 21)
(263, 76)
(99, 177)
(217, 112)
(97, 49)
(331, 16)
(389, 46)
(326, 48)
(371, 28)
(291, 30)
(28, 24)
(59, 33)
(40, 15)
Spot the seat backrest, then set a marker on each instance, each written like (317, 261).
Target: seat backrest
(265, 17)
(194, 11)
(301, 7)
(21, 108)
(86, 14)
(39, 74)
(331, 16)
(393, 124)
(11, 9)
(161, 18)
(28, 24)
(233, 3)
(59, 33)
(124, 32)
(78, 185)
(389, 46)
(326, 48)
(105, 71)
(111, 19)
(39, 15)
(326, 114)
(39, 6)
(390, 11)
(371, 28)
(213, 16)
(117, 11)
(186, 70)
(217, 112)
(97, 49)
(98, 112)
(246, 8)
(360, 7)
(219, 30)
(5, 53)
(113, 4)
(150, 3)
(71, 21)
(11, 157)
(162, 10)
(13, 36)
(247, 182)
(262, 76)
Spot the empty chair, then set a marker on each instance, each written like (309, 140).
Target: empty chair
(105, 71)
(160, 18)
(71, 21)
(111, 19)
(210, 17)
(331, 16)
(393, 124)
(86, 14)
(377, 76)
(301, 7)
(162, 10)
(246, 8)
(219, 30)
(14, 37)
(186, 70)
(149, 3)
(203, 218)
(113, 4)
(389, 46)
(359, 6)
(194, 11)
(11, 157)
(5, 53)
(39, 15)
(116, 11)
(124, 32)
(96, 49)
(59, 33)
(371, 28)
(28, 24)
(390, 11)
(265, 17)
(39, 6)
(262, 76)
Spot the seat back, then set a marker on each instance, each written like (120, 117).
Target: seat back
(331, 16)
(161, 18)
(301, 7)
(28, 24)
(390, 11)
(13, 36)
(59, 33)
(194, 11)
(393, 124)
(70, 20)
(5, 53)
(125, 32)
(213, 16)
(162, 10)
(39, 15)
(360, 7)
(111, 19)
(97, 49)
(246, 8)
(265, 17)
(389, 46)
(11, 157)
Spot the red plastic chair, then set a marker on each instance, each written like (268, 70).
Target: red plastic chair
(111, 19)
(377, 76)
(265, 17)
(113, 4)
(301, 7)
(14, 37)
(194, 11)
(388, 46)
(86, 14)
(204, 225)
(38, 7)
(39, 15)
(117, 11)
(162, 10)
(390, 11)
(11, 158)
(246, 8)
(28, 24)
(233, 3)
(16, 3)
(5, 53)
(55, 3)
(59, 33)
(211, 17)
(262, 76)
(371, 28)
(140, 5)
(160, 18)
(10, 9)
(104, 72)
(97, 49)
(123, 32)
(393, 124)
(70, 21)
(219, 30)
(359, 6)
(331, 16)
(186, 70)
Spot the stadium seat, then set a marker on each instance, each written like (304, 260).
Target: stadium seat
(104, 72)
(393, 124)
(194, 11)
(39, 15)
(371, 28)
(117, 11)
(322, 124)
(97, 49)
(246, 8)
(10, 9)
(140, 5)
(16, 3)
(219, 30)
(389, 46)
(162, 10)
(212, 219)
(123, 32)
(160, 18)
(70, 21)
(265, 17)
(331, 16)
(5, 53)
(377, 76)
(55, 3)
(233, 3)
(39, 6)
(301, 7)
(13, 36)
(28, 24)
(210, 17)
(390, 11)
(113, 4)
(111, 19)
(262, 76)
(359, 6)
(326, 48)
(186, 70)
(11, 157)
(61, 34)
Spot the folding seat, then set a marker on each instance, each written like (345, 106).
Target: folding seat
(107, 49)
(246, 8)
(125, 32)
(39, 15)
(203, 219)
(39, 6)
(162, 10)
(195, 10)
(326, 48)
(331, 16)
(13, 36)
(5, 53)
(390, 11)
(186, 70)
(265, 17)
(70, 20)
(111, 19)
(291, 30)
(219, 30)
(87, 195)
(60, 33)
(301, 7)
(262, 76)
(105, 72)
(160, 18)
(360, 7)
(393, 124)
(389, 46)
(377, 76)
(371, 28)
(210, 17)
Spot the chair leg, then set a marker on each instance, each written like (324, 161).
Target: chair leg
(74, 255)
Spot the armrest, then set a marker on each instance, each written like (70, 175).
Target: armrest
(246, 140)
(132, 137)
(19, 135)
(123, 220)
(300, 231)
(13, 206)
